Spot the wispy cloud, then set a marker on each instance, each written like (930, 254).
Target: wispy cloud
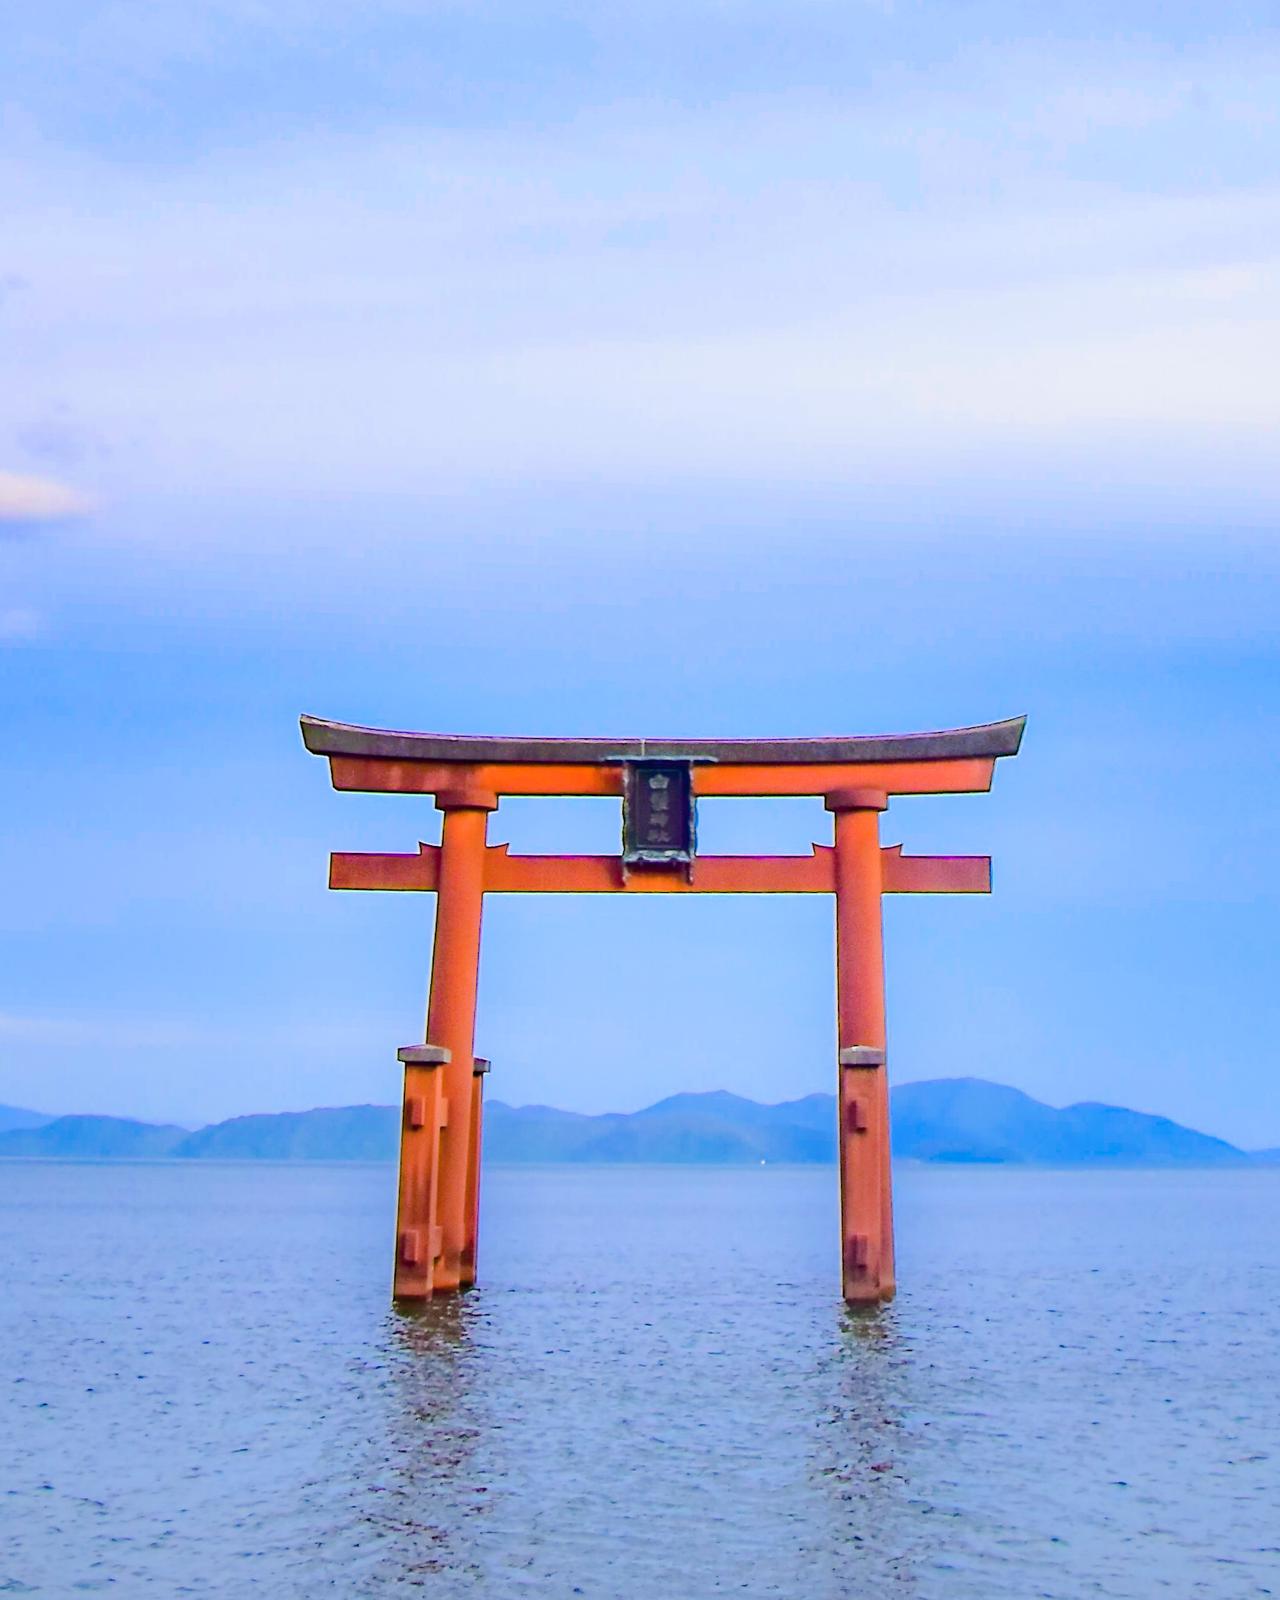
(25, 500)
(1036, 264)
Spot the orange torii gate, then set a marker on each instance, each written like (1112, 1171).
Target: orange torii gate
(659, 783)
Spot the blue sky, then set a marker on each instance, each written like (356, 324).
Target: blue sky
(712, 369)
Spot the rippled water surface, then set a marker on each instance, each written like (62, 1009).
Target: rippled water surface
(655, 1393)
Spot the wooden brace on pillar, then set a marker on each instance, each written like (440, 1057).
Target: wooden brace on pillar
(425, 1113)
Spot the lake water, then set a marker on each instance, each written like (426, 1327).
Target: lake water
(656, 1391)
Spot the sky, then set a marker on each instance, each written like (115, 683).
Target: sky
(712, 369)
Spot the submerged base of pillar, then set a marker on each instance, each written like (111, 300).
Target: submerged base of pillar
(880, 1297)
(866, 1198)
(424, 1114)
(422, 1269)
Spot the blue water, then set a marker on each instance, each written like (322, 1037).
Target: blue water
(654, 1393)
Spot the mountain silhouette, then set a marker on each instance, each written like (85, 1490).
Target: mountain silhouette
(944, 1120)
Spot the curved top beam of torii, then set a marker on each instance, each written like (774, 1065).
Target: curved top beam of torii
(989, 739)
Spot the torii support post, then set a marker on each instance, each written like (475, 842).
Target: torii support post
(659, 782)
(451, 1023)
(866, 1194)
(471, 1246)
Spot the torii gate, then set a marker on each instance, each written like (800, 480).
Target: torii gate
(659, 782)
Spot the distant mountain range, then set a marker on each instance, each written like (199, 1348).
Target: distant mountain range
(15, 1117)
(953, 1120)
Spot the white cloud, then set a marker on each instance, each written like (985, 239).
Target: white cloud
(25, 499)
(787, 289)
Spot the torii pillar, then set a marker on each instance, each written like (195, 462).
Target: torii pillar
(866, 1183)
(659, 783)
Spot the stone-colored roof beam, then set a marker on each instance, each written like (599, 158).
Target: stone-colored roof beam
(989, 739)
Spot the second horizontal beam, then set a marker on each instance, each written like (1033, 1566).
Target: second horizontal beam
(811, 874)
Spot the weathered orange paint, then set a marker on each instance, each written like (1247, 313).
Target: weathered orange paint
(508, 874)
(901, 874)
(358, 869)
(471, 1246)
(451, 1019)
(968, 775)
(417, 1204)
(379, 775)
(811, 874)
(865, 1175)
